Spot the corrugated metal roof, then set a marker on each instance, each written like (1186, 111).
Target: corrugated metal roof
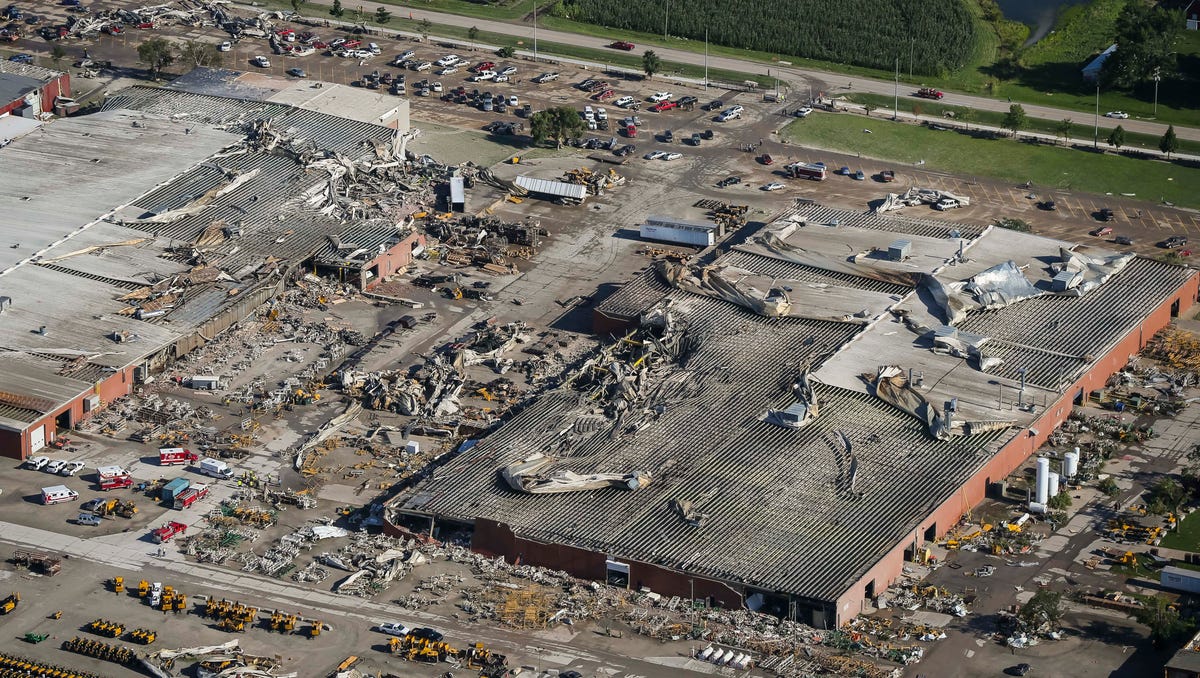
(780, 513)
(549, 187)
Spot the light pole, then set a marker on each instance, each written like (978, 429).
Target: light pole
(1096, 119)
(666, 18)
(706, 64)
(535, 58)
(896, 94)
(1157, 77)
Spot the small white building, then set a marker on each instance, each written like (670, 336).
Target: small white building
(1180, 579)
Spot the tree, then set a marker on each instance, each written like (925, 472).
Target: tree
(1060, 501)
(1169, 143)
(651, 64)
(196, 53)
(1166, 626)
(382, 16)
(1014, 224)
(1015, 119)
(868, 108)
(57, 54)
(506, 52)
(424, 26)
(296, 5)
(337, 10)
(1109, 487)
(556, 124)
(156, 53)
(1166, 496)
(473, 32)
(1065, 129)
(1145, 35)
(917, 110)
(1116, 139)
(1045, 607)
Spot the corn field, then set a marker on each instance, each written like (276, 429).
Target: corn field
(935, 36)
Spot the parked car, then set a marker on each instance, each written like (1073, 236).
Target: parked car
(1048, 205)
(422, 66)
(1120, 115)
(89, 519)
(654, 155)
(729, 181)
(54, 466)
(1101, 231)
(663, 106)
(71, 468)
(803, 112)
(21, 58)
(427, 634)
(448, 60)
(946, 204)
(887, 176)
(225, 46)
(859, 176)
(672, 156)
(297, 73)
(261, 62)
(1173, 242)
(406, 54)
(713, 105)
(659, 96)
(773, 186)
(1123, 240)
(624, 101)
(766, 159)
(844, 171)
(395, 629)
(1106, 214)
(510, 70)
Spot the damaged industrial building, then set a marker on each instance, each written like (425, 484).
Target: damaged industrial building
(173, 214)
(784, 423)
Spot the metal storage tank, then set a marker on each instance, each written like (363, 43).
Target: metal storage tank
(1071, 463)
(1043, 481)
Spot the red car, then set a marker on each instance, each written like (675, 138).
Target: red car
(146, 25)
(484, 66)
(606, 94)
(112, 29)
(621, 44)
(664, 106)
(352, 44)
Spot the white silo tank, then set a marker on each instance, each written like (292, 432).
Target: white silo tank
(1043, 481)
(706, 653)
(739, 662)
(719, 656)
(1071, 464)
(1052, 487)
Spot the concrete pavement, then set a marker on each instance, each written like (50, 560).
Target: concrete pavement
(799, 78)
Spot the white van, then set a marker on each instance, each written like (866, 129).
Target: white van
(589, 114)
(58, 494)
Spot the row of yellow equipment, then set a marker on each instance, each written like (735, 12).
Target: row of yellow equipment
(10, 603)
(12, 666)
(418, 649)
(115, 507)
(110, 629)
(94, 648)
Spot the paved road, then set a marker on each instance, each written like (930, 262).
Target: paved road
(801, 78)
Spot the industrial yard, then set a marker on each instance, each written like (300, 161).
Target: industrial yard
(312, 376)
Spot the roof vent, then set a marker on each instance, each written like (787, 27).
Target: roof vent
(899, 250)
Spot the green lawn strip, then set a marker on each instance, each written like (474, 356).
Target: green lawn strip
(1186, 537)
(1083, 124)
(1004, 158)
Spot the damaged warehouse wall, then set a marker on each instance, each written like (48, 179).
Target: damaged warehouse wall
(496, 539)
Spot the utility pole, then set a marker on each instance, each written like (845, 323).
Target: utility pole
(535, 32)
(666, 18)
(896, 95)
(1157, 77)
(706, 67)
(1096, 119)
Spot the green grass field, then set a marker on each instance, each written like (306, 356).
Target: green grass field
(1187, 536)
(1003, 158)
(1082, 130)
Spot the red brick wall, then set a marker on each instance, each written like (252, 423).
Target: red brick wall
(10, 445)
(497, 539)
(395, 259)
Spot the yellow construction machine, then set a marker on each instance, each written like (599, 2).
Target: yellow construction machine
(10, 603)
